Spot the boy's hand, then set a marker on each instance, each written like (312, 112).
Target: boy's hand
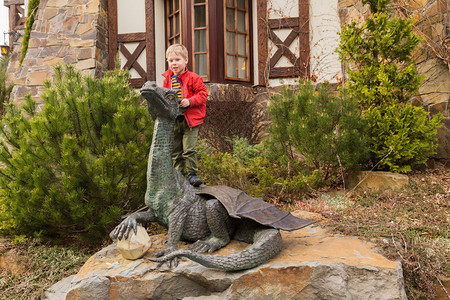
(185, 103)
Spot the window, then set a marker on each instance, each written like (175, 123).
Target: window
(236, 39)
(200, 41)
(217, 35)
(173, 22)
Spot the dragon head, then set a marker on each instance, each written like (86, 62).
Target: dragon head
(161, 102)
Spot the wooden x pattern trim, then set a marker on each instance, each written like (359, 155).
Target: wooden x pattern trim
(132, 58)
(283, 47)
(20, 21)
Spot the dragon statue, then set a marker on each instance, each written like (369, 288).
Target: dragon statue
(209, 216)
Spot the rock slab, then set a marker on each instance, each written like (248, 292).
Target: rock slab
(313, 264)
(376, 181)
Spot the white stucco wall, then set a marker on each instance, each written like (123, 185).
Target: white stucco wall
(25, 2)
(324, 39)
(160, 44)
(136, 12)
(125, 13)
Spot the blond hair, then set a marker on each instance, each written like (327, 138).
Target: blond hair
(177, 49)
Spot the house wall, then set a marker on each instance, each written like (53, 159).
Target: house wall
(160, 47)
(64, 31)
(125, 13)
(75, 32)
(160, 38)
(324, 27)
(255, 42)
(46, 39)
(279, 9)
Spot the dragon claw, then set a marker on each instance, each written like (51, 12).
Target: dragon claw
(209, 245)
(164, 252)
(124, 228)
(172, 262)
(163, 256)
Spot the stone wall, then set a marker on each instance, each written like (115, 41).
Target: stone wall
(431, 22)
(432, 60)
(72, 32)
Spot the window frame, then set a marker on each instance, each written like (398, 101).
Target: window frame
(168, 15)
(216, 51)
(208, 62)
(237, 32)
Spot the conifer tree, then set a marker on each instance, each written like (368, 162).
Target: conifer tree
(75, 167)
(382, 77)
(379, 56)
(327, 130)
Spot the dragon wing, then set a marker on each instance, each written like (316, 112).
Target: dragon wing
(239, 204)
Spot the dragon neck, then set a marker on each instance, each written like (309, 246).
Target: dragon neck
(164, 184)
(160, 172)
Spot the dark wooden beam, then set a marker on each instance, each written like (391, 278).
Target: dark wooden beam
(13, 2)
(150, 39)
(284, 72)
(112, 31)
(131, 37)
(13, 18)
(283, 23)
(20, 10)
(283, 48)
(304, 55)
(262, 42)
(137, 82)
(132, 59)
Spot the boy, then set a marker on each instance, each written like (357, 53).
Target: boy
(192, 94)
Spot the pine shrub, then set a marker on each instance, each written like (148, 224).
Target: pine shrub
(257, 171)
(327, 130)
(411, 138)
(75, 167)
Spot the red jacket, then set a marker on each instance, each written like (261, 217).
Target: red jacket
(193, 89)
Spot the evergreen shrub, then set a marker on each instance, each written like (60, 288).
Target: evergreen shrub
(383, 78)
(74, 168)
(411, 138)
(255, 170)
(378, 53)
(327, 130)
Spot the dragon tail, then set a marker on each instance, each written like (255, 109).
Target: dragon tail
(267, 244)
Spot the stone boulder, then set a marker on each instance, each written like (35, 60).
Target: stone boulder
(314, 264)
(376, 181)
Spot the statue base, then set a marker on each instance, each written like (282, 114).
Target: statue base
(313, 264)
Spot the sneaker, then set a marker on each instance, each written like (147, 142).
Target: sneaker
(194, 180)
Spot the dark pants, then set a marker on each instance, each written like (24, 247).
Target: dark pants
(184, 154)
